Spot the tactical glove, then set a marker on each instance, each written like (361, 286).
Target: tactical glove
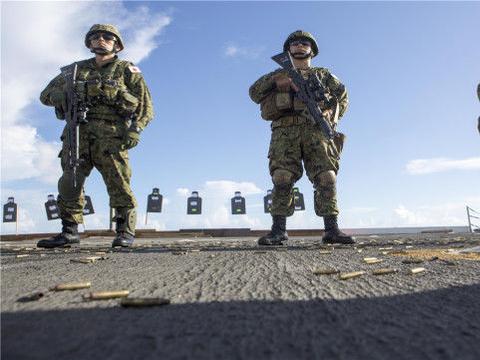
(284, 83)
(328, 115)
(131, 139)
(58, 99)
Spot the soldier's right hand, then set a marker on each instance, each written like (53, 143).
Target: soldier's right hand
(284, 83)
(131, 140)
(58, 99)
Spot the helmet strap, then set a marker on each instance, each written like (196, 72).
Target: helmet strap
(102, 51)
(306, 56)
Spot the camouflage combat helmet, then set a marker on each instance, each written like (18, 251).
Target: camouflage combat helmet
(300, 34)
(104, 28)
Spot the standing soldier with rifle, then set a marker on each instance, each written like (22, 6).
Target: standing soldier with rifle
(106, 105)
(304, 104)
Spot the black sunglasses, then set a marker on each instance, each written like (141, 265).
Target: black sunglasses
(104, 36)
(302, 42)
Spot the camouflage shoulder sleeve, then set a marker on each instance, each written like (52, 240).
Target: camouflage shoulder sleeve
(56, 84)
(136, 85)
(262, 87)
(337, 88)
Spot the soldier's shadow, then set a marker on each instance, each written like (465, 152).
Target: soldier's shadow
(440, 324)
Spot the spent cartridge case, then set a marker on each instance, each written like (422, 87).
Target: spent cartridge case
(71, 286)
(88, 259)
(417, 270)
(325, 271)
(372, 260)
(384, 271)
(143, 302)
(106, 295)
(350, 275)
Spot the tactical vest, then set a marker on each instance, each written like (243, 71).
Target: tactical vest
(105, 92)
(279, 104)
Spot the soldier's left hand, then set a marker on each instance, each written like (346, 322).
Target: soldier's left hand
(131, 139)
(328, 114)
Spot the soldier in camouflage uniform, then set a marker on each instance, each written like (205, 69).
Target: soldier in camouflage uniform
(296, 138)
(119, 108)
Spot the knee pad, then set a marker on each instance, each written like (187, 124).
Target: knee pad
(326, 179)
(282, 177)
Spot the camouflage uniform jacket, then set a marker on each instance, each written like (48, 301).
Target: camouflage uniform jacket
(265, 86)
(112, 93)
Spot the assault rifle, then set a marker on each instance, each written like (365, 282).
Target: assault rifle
(310, 92)
(76, 114)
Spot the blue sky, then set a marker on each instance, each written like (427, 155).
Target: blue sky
(411, 69)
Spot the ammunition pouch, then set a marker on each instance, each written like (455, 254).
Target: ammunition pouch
(280, 104)
(275, 105)
(298, 106)
(94, 88)
(110, 91)
(126, 103)
(102, 90)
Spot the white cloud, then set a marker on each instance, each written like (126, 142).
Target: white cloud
(361, 210)
(26, 155)
(227, 187)
(304, 220)
(219, 192)
(31, 212)
(38, 38)
(183, 192)
(141, 37)
(216, 212)
(451, 213)
(96, 221)
(232, 50)
(428, 166)
(152, 224)
(408, 217)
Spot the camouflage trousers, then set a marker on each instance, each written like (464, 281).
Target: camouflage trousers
(296, 139)
(115, 170)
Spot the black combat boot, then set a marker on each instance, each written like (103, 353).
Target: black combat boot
(124, 219)
(278, 234)
(123, 239)
(67, 237)
(333, 235)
